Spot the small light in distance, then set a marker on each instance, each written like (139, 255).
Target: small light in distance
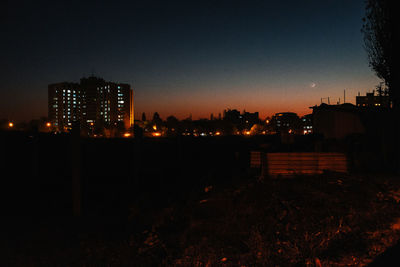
(48, 124)
(127, 135)
(156, 134)
(10, 124)
(247, 132)
(217, 133)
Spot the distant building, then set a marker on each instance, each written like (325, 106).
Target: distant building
(370, 100)
(286, 122)
(64, 105)
(95, 103)
(250, 118)
(243, 121)
(233, 116)
(307, 124)
(337, 121)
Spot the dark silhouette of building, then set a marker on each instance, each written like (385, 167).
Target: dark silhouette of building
(337, 121)
(372, 100)
(307, 124)
(243, 121)
(250, 118)
(286, 122)
(232, 116)
(95, 103)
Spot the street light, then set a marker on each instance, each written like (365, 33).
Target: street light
(10, 124)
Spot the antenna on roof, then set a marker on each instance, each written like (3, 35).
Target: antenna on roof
(344, 96)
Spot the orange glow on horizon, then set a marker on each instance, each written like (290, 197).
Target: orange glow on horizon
(10, 124)
(156, 134)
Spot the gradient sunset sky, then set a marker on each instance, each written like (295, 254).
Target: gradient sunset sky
(187, 57)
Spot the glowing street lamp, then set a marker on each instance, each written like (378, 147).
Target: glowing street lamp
(10, 124)
(48, 124)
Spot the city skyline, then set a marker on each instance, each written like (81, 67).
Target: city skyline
(193, 58)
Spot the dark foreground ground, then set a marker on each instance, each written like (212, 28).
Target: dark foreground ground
(326, 220)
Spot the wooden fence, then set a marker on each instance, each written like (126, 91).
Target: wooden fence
(292, 163)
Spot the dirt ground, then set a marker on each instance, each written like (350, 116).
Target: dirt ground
(326, 220)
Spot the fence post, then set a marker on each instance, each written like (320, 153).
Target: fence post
(76, 169)
(137, 157)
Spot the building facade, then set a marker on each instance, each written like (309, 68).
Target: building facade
(98, 105)
(307, 124)
(337, 121)
(286, 122)
(370, 100)
(64, 100)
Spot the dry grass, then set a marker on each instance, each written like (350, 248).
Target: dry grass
(326, 220)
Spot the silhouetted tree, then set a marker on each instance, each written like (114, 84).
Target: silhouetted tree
(381, 43)
(172, 124)
(157, 120)
(381, 37)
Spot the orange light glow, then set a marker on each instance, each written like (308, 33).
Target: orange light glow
(91, 124)
(156, 134)
(48, 124)
(217, 133)
(127, 135)
(10, 124)
(247, 132)
(154, 127)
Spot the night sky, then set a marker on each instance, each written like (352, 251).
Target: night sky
(182, 58)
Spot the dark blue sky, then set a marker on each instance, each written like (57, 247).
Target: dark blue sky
(181, 58)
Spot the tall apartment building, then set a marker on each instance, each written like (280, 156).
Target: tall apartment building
(94, 102)
(64, 101)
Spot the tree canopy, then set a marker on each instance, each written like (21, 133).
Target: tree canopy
(381, 42)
